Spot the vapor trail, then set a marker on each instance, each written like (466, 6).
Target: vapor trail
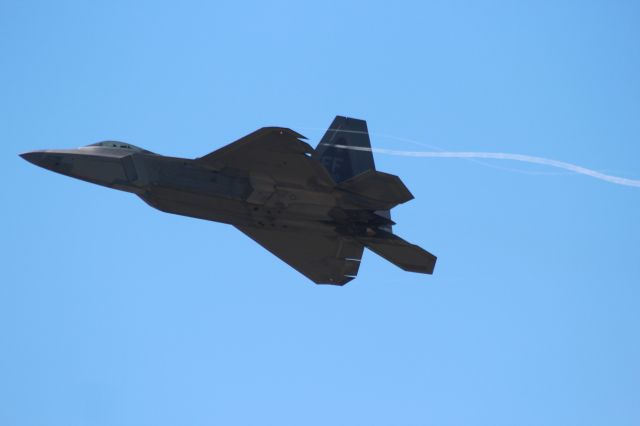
(503, 156)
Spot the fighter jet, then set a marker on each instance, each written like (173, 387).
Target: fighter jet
(315, 209)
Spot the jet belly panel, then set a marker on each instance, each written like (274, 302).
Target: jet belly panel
(181, 187)
(198, 205)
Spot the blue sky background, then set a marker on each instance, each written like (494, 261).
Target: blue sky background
(114, 313)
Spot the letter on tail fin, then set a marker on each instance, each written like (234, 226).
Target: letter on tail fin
(401, 253)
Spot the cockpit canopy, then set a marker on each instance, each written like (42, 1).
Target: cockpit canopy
(118, 144)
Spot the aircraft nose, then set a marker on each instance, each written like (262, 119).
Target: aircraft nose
(55, 161)
(34, 157)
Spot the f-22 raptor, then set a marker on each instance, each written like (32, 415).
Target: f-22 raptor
(315, 209)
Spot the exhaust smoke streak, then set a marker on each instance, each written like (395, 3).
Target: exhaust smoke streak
(502, 156)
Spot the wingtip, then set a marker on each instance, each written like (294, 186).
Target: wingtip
(283, 130)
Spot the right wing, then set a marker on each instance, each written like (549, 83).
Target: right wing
(276, 152)
(324, 258)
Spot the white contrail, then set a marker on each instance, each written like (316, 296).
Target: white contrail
(503, 156)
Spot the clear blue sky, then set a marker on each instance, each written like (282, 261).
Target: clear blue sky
(112, 313)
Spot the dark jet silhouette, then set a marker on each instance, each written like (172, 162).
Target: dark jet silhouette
(314, 209)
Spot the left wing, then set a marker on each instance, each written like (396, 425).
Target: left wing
(275, 151)
(324, 258)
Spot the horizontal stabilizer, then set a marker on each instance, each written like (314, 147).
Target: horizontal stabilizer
(385, 189)
(401, 253)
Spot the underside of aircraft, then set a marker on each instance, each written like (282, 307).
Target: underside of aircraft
(315, 209)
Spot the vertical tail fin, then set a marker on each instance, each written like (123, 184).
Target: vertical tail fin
(343, 163)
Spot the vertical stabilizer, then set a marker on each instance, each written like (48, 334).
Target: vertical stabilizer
(343, 163)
